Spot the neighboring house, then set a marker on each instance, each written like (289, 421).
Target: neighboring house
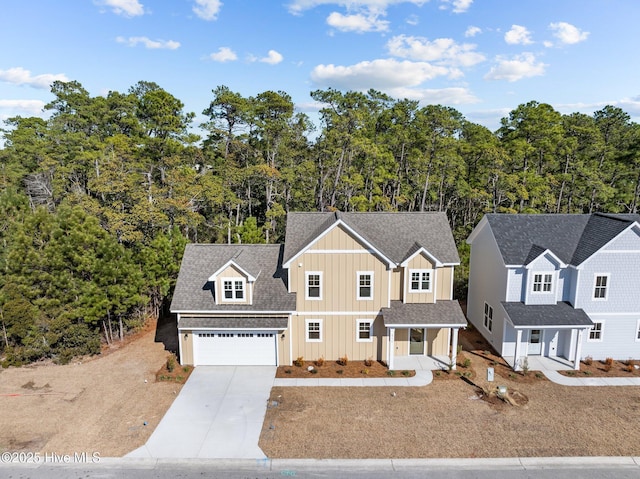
(557, 285)
(342, 284)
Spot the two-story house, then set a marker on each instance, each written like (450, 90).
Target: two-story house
(362, 285)
(560, 285)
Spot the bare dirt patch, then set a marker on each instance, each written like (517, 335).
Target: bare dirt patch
(97, 404)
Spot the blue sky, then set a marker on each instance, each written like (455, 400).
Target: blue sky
(482, 57)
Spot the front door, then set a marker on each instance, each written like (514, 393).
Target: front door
(416, 341)
(535, 342)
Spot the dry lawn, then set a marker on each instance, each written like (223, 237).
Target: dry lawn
(97, 405)
(446, 419)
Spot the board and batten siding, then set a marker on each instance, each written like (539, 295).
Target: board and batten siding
(420, 262)
(339, 338)
(436, 342)
(186, 347)
(335, 257)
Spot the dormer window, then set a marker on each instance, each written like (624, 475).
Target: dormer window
(542, 283)
(233, 289)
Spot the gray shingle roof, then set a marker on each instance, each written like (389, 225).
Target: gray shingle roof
(233, 323)
(422, 314)
(194, 292)
(559, 314)
(395, 235)
(572, 238)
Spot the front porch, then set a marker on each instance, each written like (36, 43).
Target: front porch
(420, 362)
(543, 363)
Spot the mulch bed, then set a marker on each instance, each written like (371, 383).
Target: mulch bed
(602, 369)
(171, 371)
(331, 369)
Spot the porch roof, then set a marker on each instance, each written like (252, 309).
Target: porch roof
(546, 315)
(233, 323)
(439, 314)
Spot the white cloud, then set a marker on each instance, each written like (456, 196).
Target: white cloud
(126, 8)
(443, 96)
(148, 43)
(20, 76)
(517, 68)
(567, 33)
(224, 54)
(518, 35)
(299, 6)
(357, 23)
(442, 50)
(272, 58)
(413, 20)
(459, 6)
(207, 9)
(380, 74)
(472, 31)
(29, 107)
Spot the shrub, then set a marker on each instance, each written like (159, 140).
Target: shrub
(343, 361)
(299, 361)
(406, 373)
(459, 349)
(608, 362)
(391, 373)
(320, 361)
(539, 375)
(368, 362)
(525, 366)
(339, 371)
(588, 360)
(171, 363)
(313, 371)
(287, 371)
(365, 371)
(631, 363)
(466, 363)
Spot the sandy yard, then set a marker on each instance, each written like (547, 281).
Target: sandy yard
(97, 405)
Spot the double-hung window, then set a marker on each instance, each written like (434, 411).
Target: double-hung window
(488, 317)
(420, 280)
(314, 285)
(363, 332)
(233, 289)
(314, 330)
(596, 331)
(601, 284)
(365, 285)
(542, 283)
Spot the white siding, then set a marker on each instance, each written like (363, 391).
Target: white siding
(618, 338)
(516, 281)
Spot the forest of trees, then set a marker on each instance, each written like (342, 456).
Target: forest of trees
(98, 201)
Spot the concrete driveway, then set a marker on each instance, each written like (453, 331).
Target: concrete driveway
(218, 414)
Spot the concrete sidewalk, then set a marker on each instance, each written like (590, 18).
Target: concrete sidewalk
(558, 378)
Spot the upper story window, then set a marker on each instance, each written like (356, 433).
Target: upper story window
(488, 317)
(601, 285)
(420, 280)
(314, 285)
(233, 289)
(542, 283)
(365, 285)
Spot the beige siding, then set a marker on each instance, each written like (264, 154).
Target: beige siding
(438, 342)
(396, 284)
(284, 358)
(443, 283)
(419, 262)
(401, 342)
(339, 276)
(338, 339)
(186, 347)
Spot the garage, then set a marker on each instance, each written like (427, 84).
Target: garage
(234, 348)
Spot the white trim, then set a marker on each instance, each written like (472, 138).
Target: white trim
(559, 262)
(553, 326)
(371, 279)
(602, 248)
(337, 313)
(426, 326)
(390, 279)
(606, 287)
(342, 251)
(234, 299)
(638, 331)
(453, 272)
(543, 280)
(306, 330)
(180, 341)
(227, 312)
(421, 272)
(226, 330)
(306, 285)
(601, 330)
(436, 262)
(490, 316)
(249, 277)
(337, 223)
(364, 321)
(625, 251)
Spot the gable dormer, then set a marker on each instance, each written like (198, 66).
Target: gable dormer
(543, 282)
(232, 284)
(422, 273)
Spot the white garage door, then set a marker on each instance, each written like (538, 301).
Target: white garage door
(224, 348)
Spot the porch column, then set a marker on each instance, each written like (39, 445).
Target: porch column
(576, 363)
(454, 347)
(516, 358)
(392, 340)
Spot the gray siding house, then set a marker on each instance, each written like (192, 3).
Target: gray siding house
(564, 286)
